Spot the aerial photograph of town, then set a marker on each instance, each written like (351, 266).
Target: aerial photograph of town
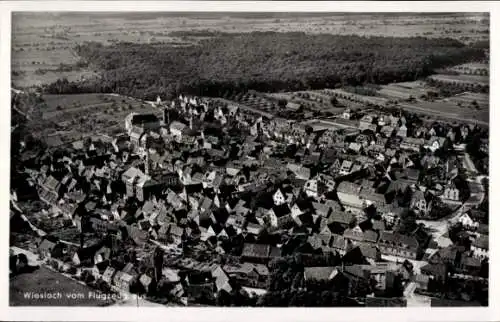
(249, 159)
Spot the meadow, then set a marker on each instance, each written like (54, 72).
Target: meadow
(61, 119)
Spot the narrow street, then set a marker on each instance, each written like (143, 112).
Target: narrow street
(417, 300)
(438, 227)
(131, 300)
(476, 199)
(396, 259)
(40, 232)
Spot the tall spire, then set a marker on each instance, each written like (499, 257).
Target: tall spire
(447, 172)
(147, 162)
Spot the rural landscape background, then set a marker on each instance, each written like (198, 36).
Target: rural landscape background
(142, 55)
(374, 83)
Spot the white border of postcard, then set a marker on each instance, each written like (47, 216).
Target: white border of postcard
(490, 313)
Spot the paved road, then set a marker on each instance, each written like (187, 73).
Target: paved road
(415, 300)
(396, 259)
(133, 300)
(410, 289)
(439, 227)
(170, 249)
(40, 232)
(477, 198)
(469, 165)
(418, 300)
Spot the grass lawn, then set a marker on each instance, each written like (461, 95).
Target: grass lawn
(64, 291)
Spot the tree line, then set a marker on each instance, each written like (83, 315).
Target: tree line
(262, 61)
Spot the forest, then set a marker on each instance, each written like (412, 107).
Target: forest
(262, 61)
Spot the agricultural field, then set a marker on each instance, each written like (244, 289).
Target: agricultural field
(449, 110)
(362, 99)
(255, 101)
(482, 101)
(42, 281)
(39, 61)
(65, 118)
(406, 90)
(471, 69)
(468, 106)
(42, 43)
(320, 103)
(308, 100)
(466, 79)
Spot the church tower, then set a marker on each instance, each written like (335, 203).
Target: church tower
(166, 116)
(147, 163)
(146, 145)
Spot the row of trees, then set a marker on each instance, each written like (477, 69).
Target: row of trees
(262, 61)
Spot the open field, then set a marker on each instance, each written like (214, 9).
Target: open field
(472, 69)
(467, 98)
(364, 99)
(255, 101)
(470, 106)
(448, 110)
(143, 27)
(467, 106)
(28, 79)
(65, 118)
(472, 79)
(41, 42)
(44, 281)
(66, 102)
(292, 97)
(310, 100)
(42, 51)
(246, 107)
(405, 90)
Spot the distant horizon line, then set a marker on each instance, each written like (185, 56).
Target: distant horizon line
(270, 14)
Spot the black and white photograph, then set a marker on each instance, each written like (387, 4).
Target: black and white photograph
(175, 159)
